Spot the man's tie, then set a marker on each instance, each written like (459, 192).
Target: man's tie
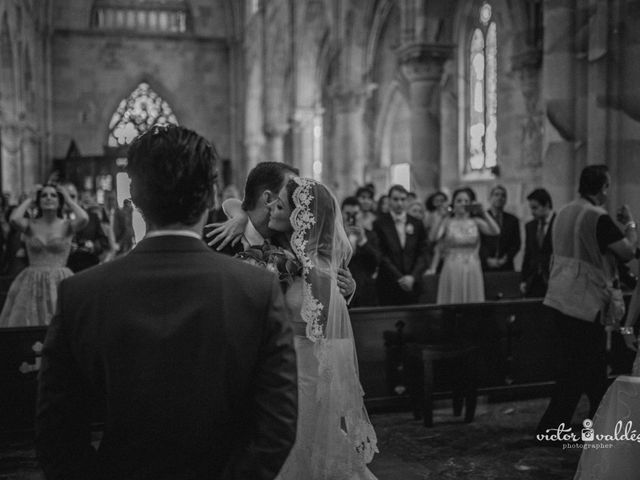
(400, 228)
(540, 232)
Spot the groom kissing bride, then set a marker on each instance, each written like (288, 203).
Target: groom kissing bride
(190, 353)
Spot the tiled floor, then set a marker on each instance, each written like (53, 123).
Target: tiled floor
(498, 445)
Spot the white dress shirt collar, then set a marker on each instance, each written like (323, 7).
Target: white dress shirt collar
(251, 236)
(399, 218)
(178, 233)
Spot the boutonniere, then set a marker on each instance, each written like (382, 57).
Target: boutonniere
(409, 229)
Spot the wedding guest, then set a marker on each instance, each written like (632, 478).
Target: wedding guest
(365, 198)
(458, 238)
(403, 252)
(90, 242)
(383, 205)
(32, 297)
(586, 241)
(538, 248)
(416, 210)
(190, 351)
(123, 227)
(364, 261)
(497, 251)
(437, 208)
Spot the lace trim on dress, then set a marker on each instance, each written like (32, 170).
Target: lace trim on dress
(302, 219)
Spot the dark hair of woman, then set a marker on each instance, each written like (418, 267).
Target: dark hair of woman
(172, 172)
(39, 196)
(430, 202)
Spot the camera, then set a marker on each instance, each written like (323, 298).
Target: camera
(474, 209)
(351, 219)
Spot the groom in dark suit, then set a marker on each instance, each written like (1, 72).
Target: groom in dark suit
(403, 252)
(189, 351)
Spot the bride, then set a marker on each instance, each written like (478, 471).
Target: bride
(335, 439)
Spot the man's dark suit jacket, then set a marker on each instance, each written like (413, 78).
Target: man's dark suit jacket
(192, 355)
(363, 266)
(396, 261)
(508, 242)
(535, 265)
(82, 259)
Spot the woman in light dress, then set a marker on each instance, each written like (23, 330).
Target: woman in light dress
(458, 240)
(32, 297)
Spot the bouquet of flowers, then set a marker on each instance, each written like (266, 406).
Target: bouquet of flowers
(278, 260)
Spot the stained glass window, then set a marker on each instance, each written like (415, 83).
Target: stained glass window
(136, 114)
(483, 97)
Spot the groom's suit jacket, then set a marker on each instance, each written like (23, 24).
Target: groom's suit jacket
(192, 356)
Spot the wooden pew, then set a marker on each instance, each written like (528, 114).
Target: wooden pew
(19, 365)
(517, 341)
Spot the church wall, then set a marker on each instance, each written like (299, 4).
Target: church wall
(92, 73)
(93, 70)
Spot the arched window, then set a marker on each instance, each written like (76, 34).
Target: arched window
(483, 98)
(135, 114)
(166, 16)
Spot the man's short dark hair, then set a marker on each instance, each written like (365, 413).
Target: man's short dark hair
(541, 196)
(498, 187)
(364, 191)
(592, 179)
(264, 176)
(173, 171)
(350, 202)
(397, 188)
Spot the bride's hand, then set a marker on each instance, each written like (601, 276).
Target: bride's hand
(227, 233)
(631, 342)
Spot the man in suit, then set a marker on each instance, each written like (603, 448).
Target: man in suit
(497, 251)
(364, 261)
(403, 252)
(538, 248)
(90, 242)
(189, 351)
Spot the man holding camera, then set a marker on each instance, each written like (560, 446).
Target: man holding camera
(364, 262)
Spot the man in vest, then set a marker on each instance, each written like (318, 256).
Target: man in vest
(586, 242)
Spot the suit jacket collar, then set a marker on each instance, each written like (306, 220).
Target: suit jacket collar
(167, 243)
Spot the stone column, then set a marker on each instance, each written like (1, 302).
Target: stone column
(254, 150)
(275, 141)
(527, 65)
(349, 153)
(11, 178)
(31, 167)
(563, 143)
(304, 139)
(422, 66)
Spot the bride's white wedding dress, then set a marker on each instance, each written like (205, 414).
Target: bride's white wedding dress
(335, 439)
(619, 411)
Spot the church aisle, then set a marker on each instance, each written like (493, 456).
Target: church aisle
(498, 445)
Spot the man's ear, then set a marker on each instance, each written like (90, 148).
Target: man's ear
(267, 197)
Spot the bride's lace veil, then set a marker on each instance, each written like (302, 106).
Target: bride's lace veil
(321, 243)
